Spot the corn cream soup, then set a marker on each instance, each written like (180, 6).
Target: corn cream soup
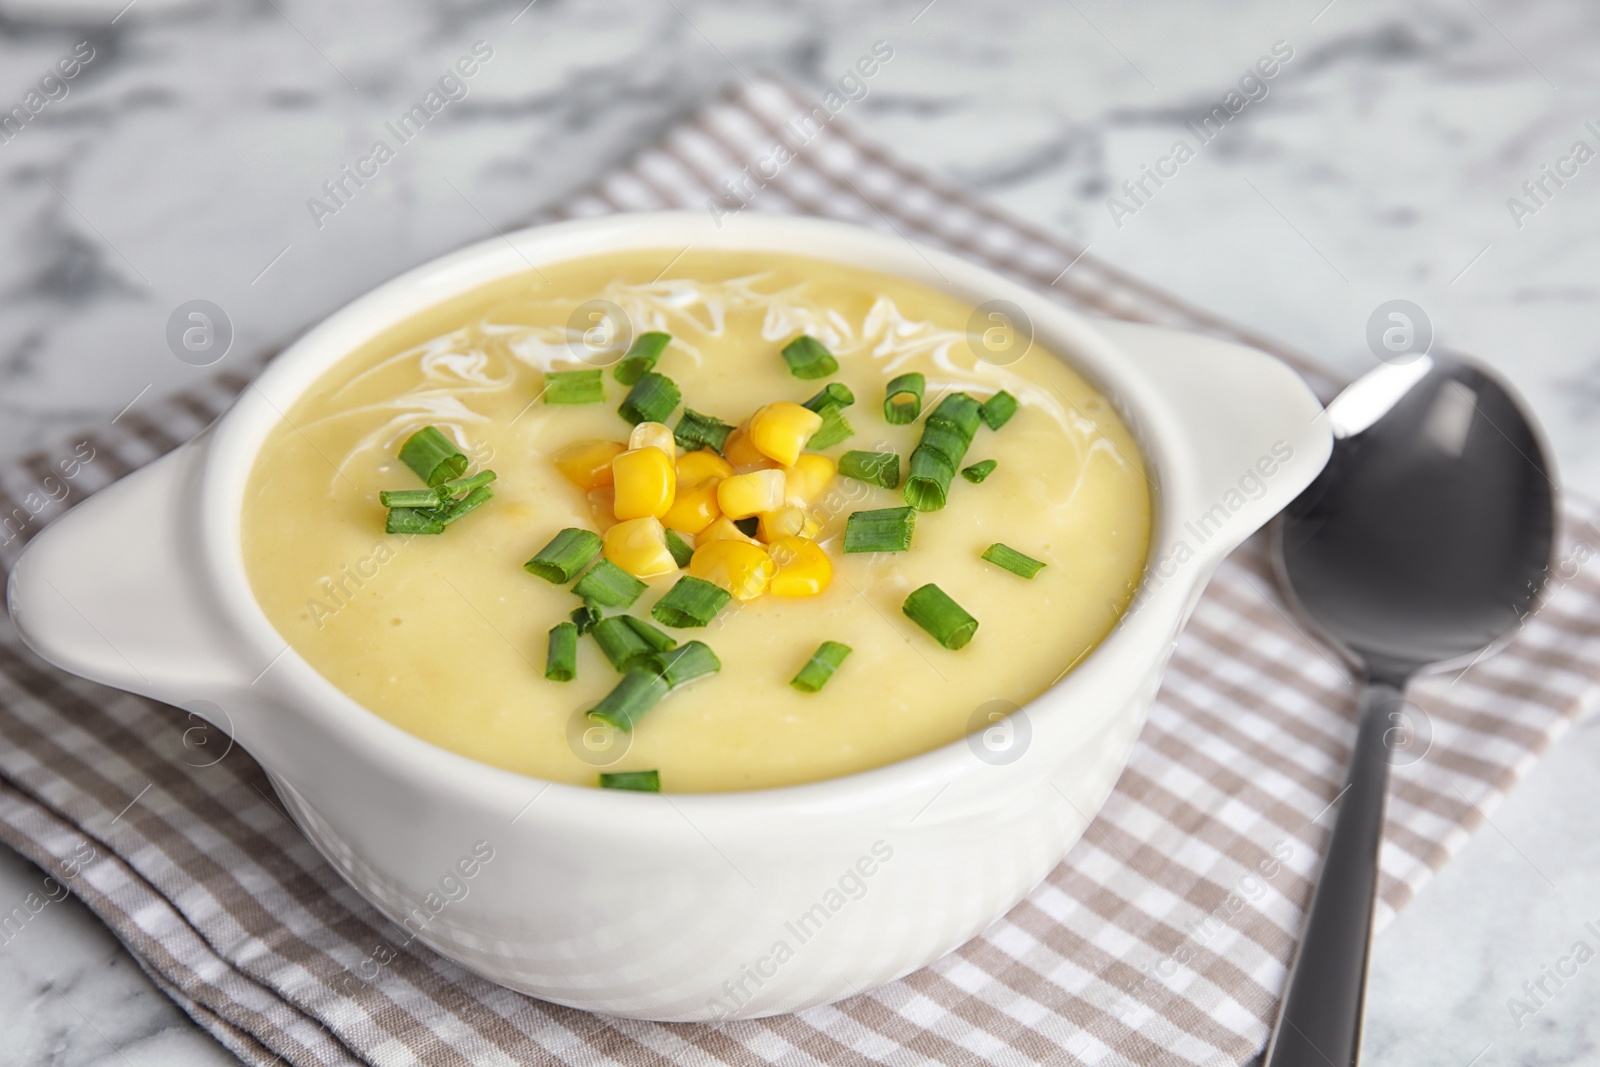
(446, 634)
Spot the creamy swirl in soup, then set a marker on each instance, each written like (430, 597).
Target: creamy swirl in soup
(442, 630)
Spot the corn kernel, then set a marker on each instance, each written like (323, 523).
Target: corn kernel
(646, 483)
(694, 508)
(784, 522)
(745, 495)
(639, 546)
(806, 478)
(654, 435)
(779, 431)
(702, 464)
(723, 529)
(742, 569)
(602, 503)
(587, 464)
(741, 451)
(803, 568)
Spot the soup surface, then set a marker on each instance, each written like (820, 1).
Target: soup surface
(445, 635)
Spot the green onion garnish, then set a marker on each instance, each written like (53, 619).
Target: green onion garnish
(690, 660)
(623, 645)
(1012, 560)
(413, 498)
(636, 781)
(820, 667)
(470, 502)
(567, 553)
(642, 356)
(835, 428)
(833, 395)
(998, 409)
(682, 551)
(657, 640)
(947, 442)
(561, 659)
(808, 358)
(979, 471)
(574, 387)
(413, 521)
(585, 617)
(692, 602)
(639, 690)
(884, 530)
(695, 431)
(932, 609)
(467, 485)
(433, 456)
(608, 584)
(749, 526)
(959, 412)
(874, 468)
(652, 399)
(928, 479)
(902, 401)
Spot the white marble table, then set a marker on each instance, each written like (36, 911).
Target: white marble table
(1377, 165)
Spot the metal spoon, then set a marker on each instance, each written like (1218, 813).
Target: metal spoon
(1422, 546)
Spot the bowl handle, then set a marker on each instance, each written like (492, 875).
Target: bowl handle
(1255, 434)
(111, 590)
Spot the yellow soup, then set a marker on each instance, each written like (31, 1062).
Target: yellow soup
(445, 635)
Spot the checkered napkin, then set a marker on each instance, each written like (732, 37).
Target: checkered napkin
(1162, 938)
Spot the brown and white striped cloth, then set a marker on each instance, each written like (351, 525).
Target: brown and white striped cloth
(1162, 938)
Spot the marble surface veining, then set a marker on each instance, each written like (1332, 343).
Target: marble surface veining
(1378, 162)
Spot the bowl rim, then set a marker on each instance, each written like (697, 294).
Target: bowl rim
(1139, 636)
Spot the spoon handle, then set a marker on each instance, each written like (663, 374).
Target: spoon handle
(1320, 1024)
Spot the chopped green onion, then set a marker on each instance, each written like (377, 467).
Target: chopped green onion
(682, 551)
(748, 526)
(470, 502)
(998, 409)
(902, 400)
(959, 412)
(820, 667)
(1012, 560)
(467, 485)
(567, 553)
(636, 781)
(932, 609)
(928, 479)
(979, 471)
(690, 660)
(695, 430)
(642, 356)
(639, 690)
(808, 358)
(433, 456)
(574, 387)
(883, 530)
(835, 428)
(561, 658)
(657, 640)
(947, 442)
(874, 468)
(585, 617)
(413, 498)
(833, 395)
(413, 521)
(692, 602)
(651, 399)
(623, 645)
(610, 585)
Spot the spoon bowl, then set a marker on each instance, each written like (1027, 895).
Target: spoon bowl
(1422, 546)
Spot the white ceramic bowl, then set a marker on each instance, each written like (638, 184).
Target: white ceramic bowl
(670, 907)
